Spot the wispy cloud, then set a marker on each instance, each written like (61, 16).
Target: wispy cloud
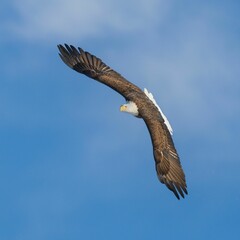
(45, 20)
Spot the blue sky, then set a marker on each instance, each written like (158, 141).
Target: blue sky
(72, 166)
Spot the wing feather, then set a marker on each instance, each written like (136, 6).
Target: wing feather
(168, 166)
(88, 64)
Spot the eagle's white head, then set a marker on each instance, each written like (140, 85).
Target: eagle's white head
(130, 107)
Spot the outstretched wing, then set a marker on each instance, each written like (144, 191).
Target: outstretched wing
(168, 166)
(93, 67)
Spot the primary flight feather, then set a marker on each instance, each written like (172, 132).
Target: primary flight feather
(140, 104)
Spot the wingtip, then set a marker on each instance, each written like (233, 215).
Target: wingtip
(177, 196)
(185, 190)
(59, 46)
(80, 50)
(69, 48)
(66, 45)
(177, 190)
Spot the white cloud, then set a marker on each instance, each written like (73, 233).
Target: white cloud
(44, 20)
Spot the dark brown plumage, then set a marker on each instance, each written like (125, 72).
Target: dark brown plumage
(168, 165)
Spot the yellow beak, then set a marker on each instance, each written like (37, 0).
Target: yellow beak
(123, 108)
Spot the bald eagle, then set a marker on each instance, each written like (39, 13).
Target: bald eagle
(140, 104)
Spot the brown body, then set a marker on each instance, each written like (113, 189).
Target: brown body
(168, 165)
